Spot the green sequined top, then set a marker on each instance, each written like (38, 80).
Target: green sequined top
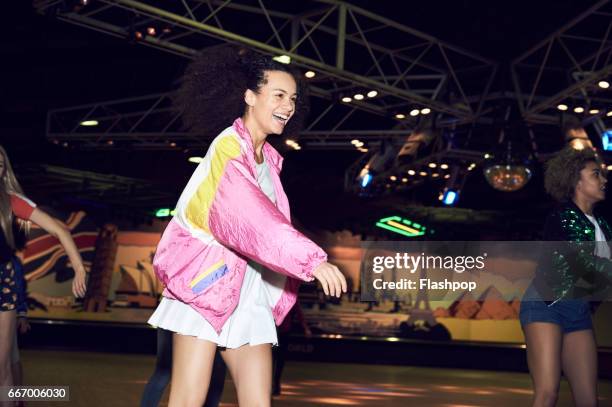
(573, 258)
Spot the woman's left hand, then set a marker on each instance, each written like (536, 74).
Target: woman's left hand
(78, 284)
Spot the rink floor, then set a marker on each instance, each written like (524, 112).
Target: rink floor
(108, 379)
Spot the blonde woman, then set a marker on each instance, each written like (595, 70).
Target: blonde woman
(16, 209)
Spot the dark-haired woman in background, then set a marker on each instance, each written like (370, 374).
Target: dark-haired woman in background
(230, 259)
(555, 313)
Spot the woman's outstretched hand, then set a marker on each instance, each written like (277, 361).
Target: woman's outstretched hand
(79, 286)
(331, 279)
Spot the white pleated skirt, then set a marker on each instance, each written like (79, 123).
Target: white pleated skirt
(251, 322)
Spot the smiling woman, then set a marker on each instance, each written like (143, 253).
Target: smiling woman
(212, 90)
(230, 258)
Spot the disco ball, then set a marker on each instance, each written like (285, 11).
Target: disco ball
(507, 177)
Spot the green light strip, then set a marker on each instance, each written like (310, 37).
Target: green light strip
(396, 230)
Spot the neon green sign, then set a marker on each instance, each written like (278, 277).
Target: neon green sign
(402, 226)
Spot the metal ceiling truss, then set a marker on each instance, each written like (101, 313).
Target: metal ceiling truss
(132, 193)
(566, 68)
(409, 69)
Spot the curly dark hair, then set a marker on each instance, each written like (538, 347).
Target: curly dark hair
(211, 92)
(563, 172)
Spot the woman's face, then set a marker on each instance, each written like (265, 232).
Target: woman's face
(592, 183)
(274, 104)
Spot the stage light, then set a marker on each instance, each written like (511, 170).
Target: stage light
(604, 84)
(363, 150)
(435, 175)
(310, 74)
(393, 178)
(346, 99)
(173, 144)
(366, 179)
(355, 141)
(447, 176)
(432, 165)
(578, 109)
(358, 96)
(606, 139)
(594, 111)
(400, 116)
(471, 166)
(425, 110)
(609, 114)
(290, 142)
(609, 167)
(110, 142)
(414, 112)
(423, 174)
(151, 31)
(195, 160)
(89, 123)
(487, 156)
(411, 172)
(167, 30)
(283, 59)
(404, 180)
(450, 197)
(577, 137)
(372, 93)
(562, 107)
(444, 166)
(360, 144)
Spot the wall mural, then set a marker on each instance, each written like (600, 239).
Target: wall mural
(123, 287)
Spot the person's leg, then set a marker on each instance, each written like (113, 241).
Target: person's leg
(192, 361)
(217, 382)
(251, 370)
(7, 335)
(280, 352)
(157, 383)
(543, 341)
(579, 356)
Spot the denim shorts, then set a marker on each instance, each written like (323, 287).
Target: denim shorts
(571, 315)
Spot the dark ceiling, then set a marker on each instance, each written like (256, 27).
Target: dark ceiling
(50, 64)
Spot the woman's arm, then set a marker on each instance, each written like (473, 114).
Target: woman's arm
(55, 229)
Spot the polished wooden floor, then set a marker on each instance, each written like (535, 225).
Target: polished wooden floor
(117, 380)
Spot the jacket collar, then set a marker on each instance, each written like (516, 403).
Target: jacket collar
(570, 205)
(272, 156)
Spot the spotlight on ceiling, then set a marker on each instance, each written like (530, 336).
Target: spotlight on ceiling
(579, 109)
(372, 94)
(400, 116)
(425, 111)
(358, 96)
(310, 74)
(347, 99)
(576, 136)
(283, 59)
(604, 84)
(414, 112)
(562, 107)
